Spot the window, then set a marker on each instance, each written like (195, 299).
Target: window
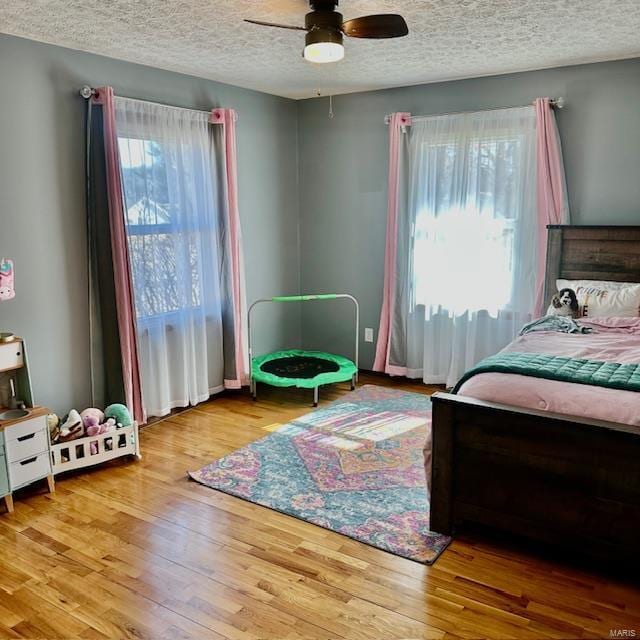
(467, 208)
(163, 247)
(183, 249)
(465, 233)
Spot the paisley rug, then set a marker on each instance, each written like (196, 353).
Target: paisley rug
(354, 466)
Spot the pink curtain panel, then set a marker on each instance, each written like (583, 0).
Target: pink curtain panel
(551, 190)
(397, 124)
(227, 118)
(125, 308)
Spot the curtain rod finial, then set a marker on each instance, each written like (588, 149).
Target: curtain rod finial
(86, 92)
(559, 103)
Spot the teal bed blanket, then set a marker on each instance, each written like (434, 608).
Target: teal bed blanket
(539, 365)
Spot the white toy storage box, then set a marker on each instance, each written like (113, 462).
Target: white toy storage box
(75, 454)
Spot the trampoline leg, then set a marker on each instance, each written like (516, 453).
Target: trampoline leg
(254, 390)
(315, 396)
(353, 382)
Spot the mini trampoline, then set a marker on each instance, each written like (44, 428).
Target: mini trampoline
(300, 368)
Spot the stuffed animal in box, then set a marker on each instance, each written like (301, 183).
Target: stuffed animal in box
(53, 423)
(120, 414)
(91, 418)
(564, 303)
(71, 428)
(98, 430)
(96, 424)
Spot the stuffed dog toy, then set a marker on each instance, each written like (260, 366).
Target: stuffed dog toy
(564, 303)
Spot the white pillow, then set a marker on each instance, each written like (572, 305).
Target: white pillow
(597, 284)
(599, 298)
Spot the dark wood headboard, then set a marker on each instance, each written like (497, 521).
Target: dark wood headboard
(592, 253)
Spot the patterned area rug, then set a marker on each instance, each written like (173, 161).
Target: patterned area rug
(354, 467)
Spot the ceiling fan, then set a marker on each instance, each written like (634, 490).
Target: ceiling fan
(325, 28)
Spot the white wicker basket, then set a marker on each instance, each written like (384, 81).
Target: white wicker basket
(76, 454)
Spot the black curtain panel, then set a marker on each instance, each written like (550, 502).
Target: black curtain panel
(106, 357)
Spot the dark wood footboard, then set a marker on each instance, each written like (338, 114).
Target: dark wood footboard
(555, 478)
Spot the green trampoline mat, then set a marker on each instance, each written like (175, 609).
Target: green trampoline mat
(302, 369)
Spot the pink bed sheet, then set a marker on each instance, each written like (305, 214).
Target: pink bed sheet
(615, 340)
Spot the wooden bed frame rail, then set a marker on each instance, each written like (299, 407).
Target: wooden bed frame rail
(562, 480)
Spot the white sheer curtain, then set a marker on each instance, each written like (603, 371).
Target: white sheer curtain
(469, 223)
(176, 230)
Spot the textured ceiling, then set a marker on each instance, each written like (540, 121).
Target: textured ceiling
(448, 38)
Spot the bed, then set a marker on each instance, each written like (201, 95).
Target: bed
(566, 471)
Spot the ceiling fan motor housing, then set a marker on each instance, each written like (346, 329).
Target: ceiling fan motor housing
(323, 5)
(323, 26)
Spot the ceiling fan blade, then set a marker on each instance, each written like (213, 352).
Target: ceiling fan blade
(384, 25)
(274, 24)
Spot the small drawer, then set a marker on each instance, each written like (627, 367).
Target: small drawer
(29, 470)
(25, 428)
(11, 355)
(27, 445)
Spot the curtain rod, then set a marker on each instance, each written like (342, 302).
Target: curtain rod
(87, 92)
(556, 103)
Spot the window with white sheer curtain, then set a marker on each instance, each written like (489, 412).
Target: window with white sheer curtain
(471, 217)
(174, 230)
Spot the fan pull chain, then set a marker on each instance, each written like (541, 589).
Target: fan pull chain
(330, 107)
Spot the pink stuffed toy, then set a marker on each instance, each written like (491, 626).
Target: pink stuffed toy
(91, 418)
(96, 425)
(98, 430)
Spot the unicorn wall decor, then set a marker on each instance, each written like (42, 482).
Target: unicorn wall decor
(7, 290)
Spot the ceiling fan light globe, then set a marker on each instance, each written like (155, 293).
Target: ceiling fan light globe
(323, 44)
(324, 52)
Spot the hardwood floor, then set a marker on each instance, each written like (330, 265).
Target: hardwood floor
(135, 550)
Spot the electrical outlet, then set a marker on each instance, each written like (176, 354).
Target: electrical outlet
(368, 335)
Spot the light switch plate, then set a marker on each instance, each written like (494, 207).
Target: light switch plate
(368, 335)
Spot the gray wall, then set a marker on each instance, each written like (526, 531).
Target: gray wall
(343, 173)
(312, 190)
(42, 214)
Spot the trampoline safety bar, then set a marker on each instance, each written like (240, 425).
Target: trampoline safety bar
(340, 369)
